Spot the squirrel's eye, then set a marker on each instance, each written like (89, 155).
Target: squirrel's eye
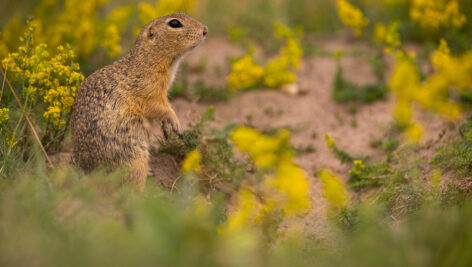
(175, 24)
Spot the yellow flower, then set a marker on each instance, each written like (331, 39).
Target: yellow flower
(351, 16)
(437, 13)
(244, 73)
(284, 189)
(191, 162)
(441, 56)
(4, 115)
(278, 71)
(415, 132)
(292, 182)
(281, 69)
(57, 22)
(357, 168)
(111, 41)
(389, 37)
(262, 149)
(333, 189)
(245, 212)
(51, 79)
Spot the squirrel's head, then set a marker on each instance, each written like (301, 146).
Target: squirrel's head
(172, 35)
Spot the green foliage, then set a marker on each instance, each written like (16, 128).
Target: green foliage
(339, 153)
(371, 175)
(190, 138)
(432, 237)
(65, 219)
(345, 91)
(387, 144)
(213, 144)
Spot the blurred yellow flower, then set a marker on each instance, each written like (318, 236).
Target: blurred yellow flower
(244, 74)
(351, 16)
(437, 13)
(292, 182)
(4, 115)
(284, 189)
(452, 73)
(191, 162)
(245, 212)
(78, 22)
(333, 189)
(415, 132)
(264, 150)
(388, 36)
(278, 71)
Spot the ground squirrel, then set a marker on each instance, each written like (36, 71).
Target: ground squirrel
(116, 106)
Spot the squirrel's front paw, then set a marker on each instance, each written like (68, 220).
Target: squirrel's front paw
(169, 125)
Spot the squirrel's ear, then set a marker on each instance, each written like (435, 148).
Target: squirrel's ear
(151, 33)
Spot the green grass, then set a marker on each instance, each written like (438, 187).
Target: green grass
(456, 153)
(387, 144)
(345, 91)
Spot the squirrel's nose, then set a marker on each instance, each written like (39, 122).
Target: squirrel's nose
(205, 30)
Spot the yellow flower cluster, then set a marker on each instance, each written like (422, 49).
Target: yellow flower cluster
(264, 150)
(388, 36)
(114, 24)
(191, 162)
(437, 13)
(452, 73)
(351, 16)
(77, 22)
(281, 69)
(357, 168)
(244, 74)
(54, 79)
(284, 189)
(333, 189)
(404, 82)
(4, 115)
(164, 7)
(278, 71)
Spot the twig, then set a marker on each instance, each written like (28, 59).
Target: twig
(3, 86)
(27, 119)
(173, 184)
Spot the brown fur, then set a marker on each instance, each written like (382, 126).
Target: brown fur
(115, 107)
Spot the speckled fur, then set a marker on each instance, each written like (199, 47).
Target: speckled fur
(116, 106)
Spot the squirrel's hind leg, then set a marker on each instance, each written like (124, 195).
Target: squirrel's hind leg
(139, 168)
